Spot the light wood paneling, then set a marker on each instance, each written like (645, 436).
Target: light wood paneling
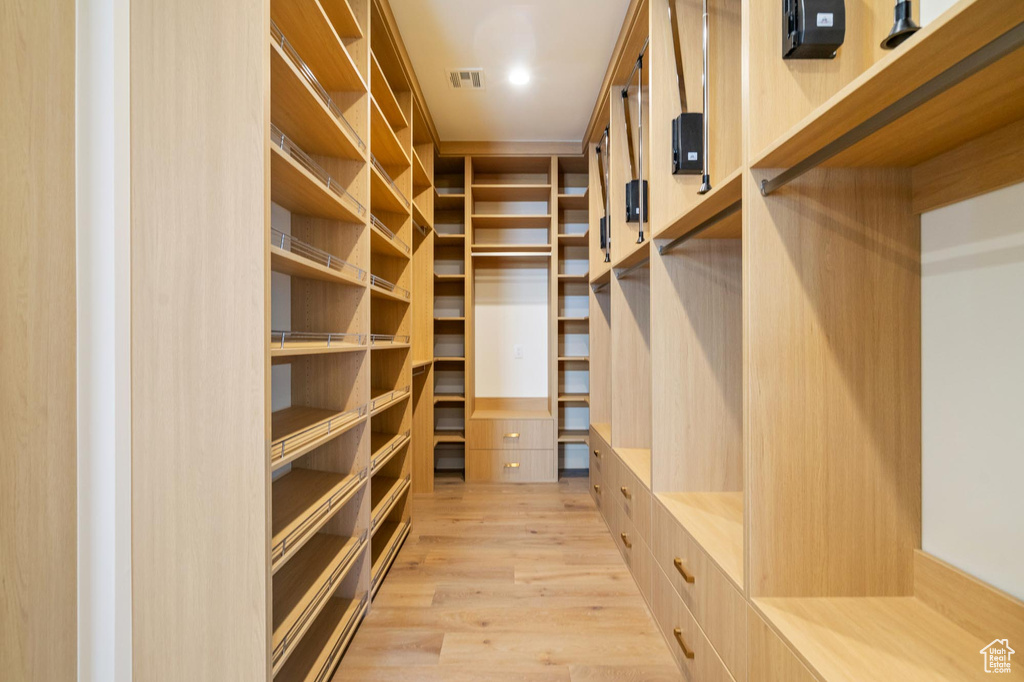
(631, 360)
(199, 426)
(38, 467)
(832, 343)
(696, 346)
(982, 165)
(768, 657)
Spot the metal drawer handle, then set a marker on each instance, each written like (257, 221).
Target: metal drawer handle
(687, 576)
(511, 465)
(597, 488)
(597, 454)
(625, 492)
(625, 540)
(514, 434)
(682, 643)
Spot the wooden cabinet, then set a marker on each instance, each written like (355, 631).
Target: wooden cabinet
(510, 466)
(510, 434)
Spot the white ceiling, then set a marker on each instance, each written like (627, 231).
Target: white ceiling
(565, 44)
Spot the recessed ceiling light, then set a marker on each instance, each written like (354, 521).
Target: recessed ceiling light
(519, 76)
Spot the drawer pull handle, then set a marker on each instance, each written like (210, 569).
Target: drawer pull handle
(687, 576)
(625, 492)
(597, 488)
(514, 434)
(511, 465)
(687, 651)
(597, 454)
(625, 540)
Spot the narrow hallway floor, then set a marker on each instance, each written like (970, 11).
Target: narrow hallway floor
(508, 582)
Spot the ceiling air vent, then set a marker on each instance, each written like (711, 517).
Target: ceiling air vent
(466, 79)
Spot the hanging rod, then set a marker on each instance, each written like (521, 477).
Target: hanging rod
(707, 224)
(959, 72)
(642, 264)
(599, 286)
(639, 61)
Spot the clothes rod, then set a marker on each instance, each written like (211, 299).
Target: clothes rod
(707, 224)
(642, 264)
(959, 72)
(639, 61)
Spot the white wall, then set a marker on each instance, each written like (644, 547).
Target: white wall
(103, 265)
(972, 324)
(511, 309)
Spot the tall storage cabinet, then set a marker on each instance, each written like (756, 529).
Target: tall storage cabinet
(756, 442)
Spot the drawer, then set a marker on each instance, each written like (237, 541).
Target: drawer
(694, 654)
(713, 601)
(597, 455)
(635, 499)
(510, 434)
(511, 466)
(635, 553)
(596, 487)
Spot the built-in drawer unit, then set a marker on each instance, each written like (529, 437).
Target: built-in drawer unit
(511, 466)
(635, 499)
(510, 434)
(634, 550)
(694, 654)
(711, 598)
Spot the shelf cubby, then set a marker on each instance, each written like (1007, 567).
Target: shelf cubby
(313, 34)
(384, 445)
(385, 545)
(321, 649)
(385, 493)
(301, 185)
(384, 241)
(295, 258)
(383, 289)
(387, 148)
(303, 500)
(303, 109)
(285, 344)
(385, 97)
(385, 397)
(385, 196)
(299, 429)
(303, 587)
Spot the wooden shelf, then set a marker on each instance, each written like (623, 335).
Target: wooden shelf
(297, 430)
(448, 398)
(449, 358)
(574, 202)
(385, 97)
(988, 100)
(449, 278)
(320, 650)
(715, 521)
(570, 398)
(293, 265)
(726, 193)
(603, 274)
(386, 242)
(313, 34)
(539, 249)
(381, 291)
(303, 586)
(421, 363)
(449, 319)
(490, 221)
(297, 190)
(384, 197)
(384, 446)
(574, 358)
(384, 142)
(293, 344)
(448, 202)
(296, 107)
(582, 239)
(491, 192)
(581, 278)
(604, 430)
(573, 436)
(384, 549)
(441, 239)
(875, 639)
(384, 398)
(420, 216)
(420, 176)
(585, 318)
(385, 492)
(344, 20)
(303, 500)
(637, 254)
(639, 462)
(449, 437)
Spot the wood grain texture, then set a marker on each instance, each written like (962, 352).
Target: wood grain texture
(982, 165)
(832, 298)
(769, 658)
(515, 582)
(38, 466)
(631, 360)
(200, 410)
(697, 390)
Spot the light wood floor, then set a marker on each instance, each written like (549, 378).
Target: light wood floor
(515, 582)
